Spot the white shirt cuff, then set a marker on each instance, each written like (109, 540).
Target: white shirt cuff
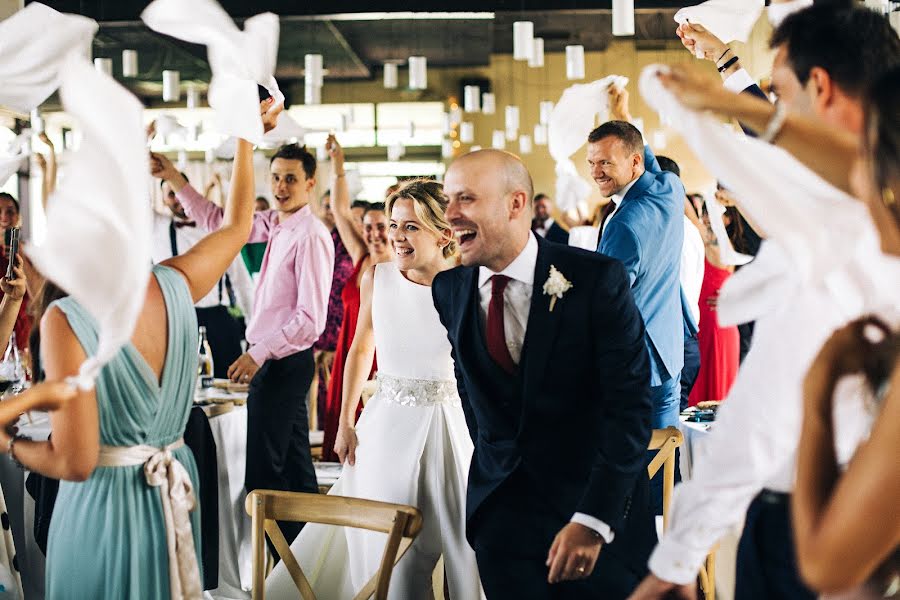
(739, 81)
(675, 563)
(596, 524)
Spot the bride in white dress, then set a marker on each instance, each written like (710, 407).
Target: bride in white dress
(411, 445)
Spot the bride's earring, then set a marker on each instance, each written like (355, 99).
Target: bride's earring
(887, 196)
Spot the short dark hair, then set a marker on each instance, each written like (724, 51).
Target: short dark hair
(297, 152)
(667, 164)
(363, 204)
(8, 196)
(373, 206)
(855, 45)
(162, 182)
(540, 197)
(625, 131)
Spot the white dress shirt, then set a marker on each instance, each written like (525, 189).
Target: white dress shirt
(617, 200)
(738, 81)
(543, 229)
(185, 239)
(516, 307)
(753, 444)
(693, 255)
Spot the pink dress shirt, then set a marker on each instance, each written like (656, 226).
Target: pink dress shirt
(291, 303)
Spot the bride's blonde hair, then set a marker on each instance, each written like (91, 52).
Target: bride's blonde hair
(429, 204)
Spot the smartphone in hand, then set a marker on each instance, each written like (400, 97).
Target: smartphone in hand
(13, 235)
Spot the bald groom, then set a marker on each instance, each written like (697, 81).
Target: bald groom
(555, 392)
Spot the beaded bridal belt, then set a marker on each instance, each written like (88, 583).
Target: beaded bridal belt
(417, 392)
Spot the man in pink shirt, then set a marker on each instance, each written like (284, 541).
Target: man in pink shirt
(289, 314)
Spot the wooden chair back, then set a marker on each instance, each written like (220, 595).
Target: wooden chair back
(666, 441)
(401, 523)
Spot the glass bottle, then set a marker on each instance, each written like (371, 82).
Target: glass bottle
(205, 361)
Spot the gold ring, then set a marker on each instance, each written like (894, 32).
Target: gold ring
(580, 569)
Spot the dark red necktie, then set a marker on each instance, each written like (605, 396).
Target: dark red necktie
(496, 333)
(180, 224)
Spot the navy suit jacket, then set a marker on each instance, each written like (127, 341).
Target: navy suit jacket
(646, 233)
(557, 234)
(581, 433)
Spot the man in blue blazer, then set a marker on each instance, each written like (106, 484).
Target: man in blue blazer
(645, 232)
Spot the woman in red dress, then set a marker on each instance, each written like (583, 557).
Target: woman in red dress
(367, 244)
(720, 347)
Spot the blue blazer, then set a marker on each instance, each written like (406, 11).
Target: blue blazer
(646, 233)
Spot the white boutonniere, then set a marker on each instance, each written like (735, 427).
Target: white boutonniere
(555, 286)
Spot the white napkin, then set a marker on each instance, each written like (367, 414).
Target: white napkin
(239, 59)
(98, 222)
(167, 125)
(573, 116)
(16, 154)
(32, 41)
(727, 254)
(571, 121)
(728, 20)
(816, 226)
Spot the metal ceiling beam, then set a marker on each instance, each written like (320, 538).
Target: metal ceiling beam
(130, 10)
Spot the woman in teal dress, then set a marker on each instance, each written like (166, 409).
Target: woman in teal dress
(117, 529)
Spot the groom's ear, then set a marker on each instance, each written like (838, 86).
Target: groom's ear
(519, 203)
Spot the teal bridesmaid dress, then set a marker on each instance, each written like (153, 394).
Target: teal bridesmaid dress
(107, 536)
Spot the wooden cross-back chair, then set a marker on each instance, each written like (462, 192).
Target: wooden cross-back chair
(401, 523)
(665, 442)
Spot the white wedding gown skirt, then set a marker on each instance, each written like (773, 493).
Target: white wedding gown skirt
(414, 449)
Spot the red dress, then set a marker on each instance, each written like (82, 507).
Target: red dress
(720, 347)
(351, 300)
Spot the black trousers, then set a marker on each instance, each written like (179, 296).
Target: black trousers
(512, 534)
(224, 333)
(278, 456)
(766, 560)
(745, 330)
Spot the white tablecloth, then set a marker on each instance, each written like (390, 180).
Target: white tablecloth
(230, 433)
(695, 435)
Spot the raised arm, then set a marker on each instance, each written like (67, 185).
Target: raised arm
(48, 166)
(340, 203)
(845, 525)
(205, 263)
(799, 135)
(617, 98)
(13, 292)
(72, 451)
(356, 371)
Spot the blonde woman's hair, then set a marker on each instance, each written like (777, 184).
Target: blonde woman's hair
(429, 204)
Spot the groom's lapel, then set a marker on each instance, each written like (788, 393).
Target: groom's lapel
(542, 326)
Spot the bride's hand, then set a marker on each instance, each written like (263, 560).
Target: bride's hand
(345, 444)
